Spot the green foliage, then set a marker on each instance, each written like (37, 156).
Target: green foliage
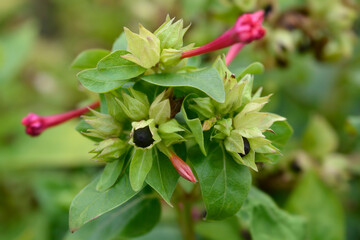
(224, 183)
(162, 176)
(320, 206)
(132, 219)
(267, 221)
(111, 72)
(90, 203)
(89, 58)
(206, 80)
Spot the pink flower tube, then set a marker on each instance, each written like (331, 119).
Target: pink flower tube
(247, 28)
(36, 124)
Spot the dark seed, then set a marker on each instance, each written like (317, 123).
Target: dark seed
(246, 147)
(143, 137)
(295, 167)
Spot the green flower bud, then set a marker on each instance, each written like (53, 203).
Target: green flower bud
(203, 106)
(110, 149)
(168, 132)
(104, 126)
(171, 57)
(144, 134)
(114, 108)
(222, 128)
(171, 34)
(135, 105)
(160, 109)
(144, 47)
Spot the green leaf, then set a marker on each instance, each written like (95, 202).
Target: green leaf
(220, 230)
(206, 80)
(224, 183)
(254, 68)
(112, 72)
(320, 205)
(89, 58)
(267, 221)
(194, 125)
(140, 166)
(132, 219)
(90, 204)
(120, 43)
(320, 138)
(283, 132)
(162, 176)
(110, 174)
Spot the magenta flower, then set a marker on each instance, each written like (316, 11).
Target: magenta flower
(182, 168)
(36, 124)
(247, 28)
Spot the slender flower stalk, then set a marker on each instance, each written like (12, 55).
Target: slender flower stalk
(36, 124)
(247, 28)
(182, 168)
(233, 51)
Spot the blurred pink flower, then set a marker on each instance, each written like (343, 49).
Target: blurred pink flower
(247, 28)
(36, 124)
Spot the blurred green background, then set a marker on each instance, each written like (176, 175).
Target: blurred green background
(312, 59)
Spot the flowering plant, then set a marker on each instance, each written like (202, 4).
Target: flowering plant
(162, 117)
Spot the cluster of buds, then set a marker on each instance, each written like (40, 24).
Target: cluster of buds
(238, 122)
(137, 125)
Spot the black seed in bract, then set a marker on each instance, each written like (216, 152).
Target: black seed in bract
(143, 137)
(246, 147)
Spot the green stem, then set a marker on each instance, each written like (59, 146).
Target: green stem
(183, 206)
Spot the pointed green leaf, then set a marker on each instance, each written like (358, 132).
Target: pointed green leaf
(135, 218)
(90, 203)
(112, 72)
(194, 125)
(162, 176)
(140, 166)
(89, 58)
(120, 43)
(206, 80)
(224, 183)
(110, 174)
(254, 68)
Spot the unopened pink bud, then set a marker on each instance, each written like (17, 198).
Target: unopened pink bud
(182, 168)
(36, 124)
(247, 28)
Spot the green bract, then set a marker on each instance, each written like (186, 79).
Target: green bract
(238, 122)
(157, 112)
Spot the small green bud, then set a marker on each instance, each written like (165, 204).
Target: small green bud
(222, 128)
(171, 57)
(208, 124)
(110, 149)
(135, 105)
(168, 132)
(144, 47)
(160, 109)
(171, 34)
(144, 134)
(104, 126)
(203, 106)
(114, 108)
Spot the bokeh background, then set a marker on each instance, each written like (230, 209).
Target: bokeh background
(312, 58)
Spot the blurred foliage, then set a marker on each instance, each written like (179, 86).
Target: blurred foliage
(316, 86)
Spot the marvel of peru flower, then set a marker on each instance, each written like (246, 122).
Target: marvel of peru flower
(246, 29)
(36, 124)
